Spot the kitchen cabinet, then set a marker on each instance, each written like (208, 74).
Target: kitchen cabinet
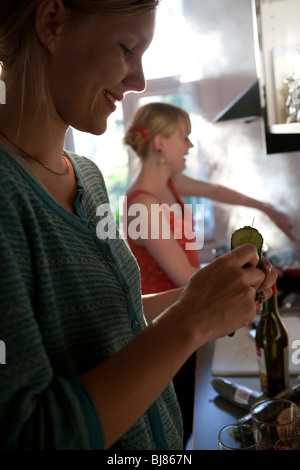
(277, 51)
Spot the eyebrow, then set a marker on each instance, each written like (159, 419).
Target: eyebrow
(144, 41)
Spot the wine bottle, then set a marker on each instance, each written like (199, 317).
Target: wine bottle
(272, 349)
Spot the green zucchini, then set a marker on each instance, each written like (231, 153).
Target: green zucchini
(251, 235)
(237, 394)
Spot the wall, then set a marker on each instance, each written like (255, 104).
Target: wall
(229, 67)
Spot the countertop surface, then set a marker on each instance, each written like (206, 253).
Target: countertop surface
(212, 412)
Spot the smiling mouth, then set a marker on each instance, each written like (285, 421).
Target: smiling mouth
(110, 97)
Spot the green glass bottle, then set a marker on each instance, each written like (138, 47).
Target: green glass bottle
(272, 349)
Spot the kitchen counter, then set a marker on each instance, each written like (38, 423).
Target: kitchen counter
(211, 412)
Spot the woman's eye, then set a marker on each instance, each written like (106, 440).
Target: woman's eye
(127, 51)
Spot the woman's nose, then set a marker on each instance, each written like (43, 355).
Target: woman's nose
(135, 81)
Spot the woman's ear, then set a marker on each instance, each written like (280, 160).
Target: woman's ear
(158, 142)
(48, 17)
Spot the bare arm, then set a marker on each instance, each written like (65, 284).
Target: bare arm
(154, 304)
(218, 299)
(191, 187)
(187, 186)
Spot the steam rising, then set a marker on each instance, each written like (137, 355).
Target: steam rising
(235, 155)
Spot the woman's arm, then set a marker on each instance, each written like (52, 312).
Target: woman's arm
(218, 299)
(154, 304)
(191, 187)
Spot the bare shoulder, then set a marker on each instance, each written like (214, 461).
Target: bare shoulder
(187, 186)
(142, 197)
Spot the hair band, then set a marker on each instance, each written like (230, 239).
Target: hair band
(142, 130)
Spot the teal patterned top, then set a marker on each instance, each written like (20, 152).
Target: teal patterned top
(69, 299)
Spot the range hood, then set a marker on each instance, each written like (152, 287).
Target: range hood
(247, 105)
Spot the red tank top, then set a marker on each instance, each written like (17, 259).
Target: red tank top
(153, 278)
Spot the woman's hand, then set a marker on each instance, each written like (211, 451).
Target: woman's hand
(220, 298)
(283, 221)
(271, 275)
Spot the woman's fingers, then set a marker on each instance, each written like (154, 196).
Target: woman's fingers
(262, 278)
(269, 280)
(222, 297)
(245, 255)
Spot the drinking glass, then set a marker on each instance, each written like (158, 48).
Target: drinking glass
(276, 419)
(288, 443)
(239, 437)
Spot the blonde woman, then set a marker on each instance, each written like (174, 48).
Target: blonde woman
(159, 135)
(88, 365)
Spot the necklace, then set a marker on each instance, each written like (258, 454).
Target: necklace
(66, 172)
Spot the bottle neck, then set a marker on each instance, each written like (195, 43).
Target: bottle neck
(271, 306)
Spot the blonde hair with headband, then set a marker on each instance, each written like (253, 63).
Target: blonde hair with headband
(153, 119)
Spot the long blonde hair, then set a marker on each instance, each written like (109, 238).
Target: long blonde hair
(20, 50)
(153, 119)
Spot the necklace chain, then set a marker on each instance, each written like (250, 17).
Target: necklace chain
(66, 172)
